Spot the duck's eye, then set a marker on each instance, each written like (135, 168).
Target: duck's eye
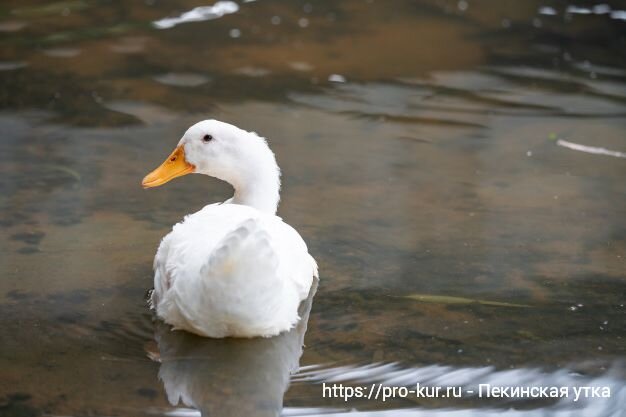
(207, 138)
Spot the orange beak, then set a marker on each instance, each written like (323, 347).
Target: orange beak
(174, 166)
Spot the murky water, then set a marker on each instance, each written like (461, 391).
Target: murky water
(456, 167)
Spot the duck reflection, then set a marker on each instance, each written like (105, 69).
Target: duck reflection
(231, 377)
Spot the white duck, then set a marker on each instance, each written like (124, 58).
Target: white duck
(232, 268)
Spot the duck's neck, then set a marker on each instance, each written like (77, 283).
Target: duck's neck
(259, 186)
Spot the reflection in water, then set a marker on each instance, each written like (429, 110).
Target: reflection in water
(590, 149)
(231, 377)
(598, 9)
(182, 79)
(199, 14)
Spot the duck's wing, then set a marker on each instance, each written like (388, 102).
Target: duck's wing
(173, 257)
(296, 264)
(246, 250)
(162, 278)
(239, 287)
(231, 270)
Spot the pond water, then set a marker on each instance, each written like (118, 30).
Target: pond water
(456, 167)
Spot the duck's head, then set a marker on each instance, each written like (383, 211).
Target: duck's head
(226, 152)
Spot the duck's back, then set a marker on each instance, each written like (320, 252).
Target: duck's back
(231, 270)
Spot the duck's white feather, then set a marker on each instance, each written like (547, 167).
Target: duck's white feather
(232, 270)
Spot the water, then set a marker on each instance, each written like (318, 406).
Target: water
(432, 160)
